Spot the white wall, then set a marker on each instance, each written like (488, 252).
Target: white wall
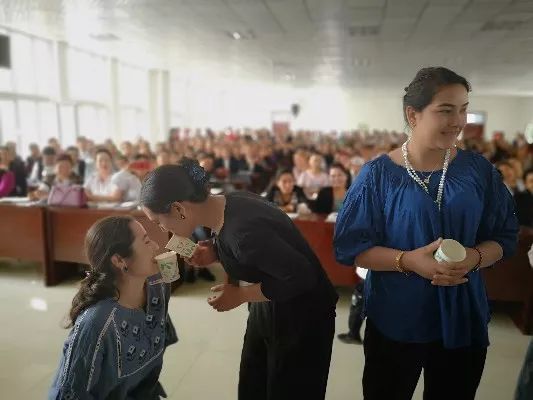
(504, 113)
(240, 104)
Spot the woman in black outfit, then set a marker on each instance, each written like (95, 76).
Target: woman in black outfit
(331, 198)
(287, 345)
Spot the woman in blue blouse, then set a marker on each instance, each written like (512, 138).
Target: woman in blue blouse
(119, 318)
(423, 314)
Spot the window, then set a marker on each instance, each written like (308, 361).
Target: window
(133, 86)
(23, 64)
(8, 121)
(89, 76)
(478, 118)
(134, 123)
(67, 120)
(44, 67)
(93, 123)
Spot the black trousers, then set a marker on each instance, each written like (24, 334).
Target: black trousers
(356, 316)
(392, 369)
(286, 353)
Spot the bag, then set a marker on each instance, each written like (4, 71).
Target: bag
(67, 196)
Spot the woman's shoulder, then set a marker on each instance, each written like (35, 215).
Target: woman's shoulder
(476, 162)
(96, 318)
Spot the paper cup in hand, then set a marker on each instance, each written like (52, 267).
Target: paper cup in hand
(168, 265)
(183, 246)
(450, 251)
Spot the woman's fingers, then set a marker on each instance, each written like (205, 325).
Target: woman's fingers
(218, 288)
(445, 280)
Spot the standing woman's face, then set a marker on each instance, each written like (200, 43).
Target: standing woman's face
(438, 125)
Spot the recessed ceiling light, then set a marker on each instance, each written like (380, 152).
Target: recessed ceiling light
(240, 35)
(104, 37)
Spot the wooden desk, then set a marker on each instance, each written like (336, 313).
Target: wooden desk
(23, 233)
(512, 281)
(67, 228)
(319, 235)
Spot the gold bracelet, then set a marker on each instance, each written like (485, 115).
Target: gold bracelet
(398, 263)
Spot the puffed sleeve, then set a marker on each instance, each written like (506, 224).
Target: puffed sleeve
(499, 222)
(359, 224)
(78, 375)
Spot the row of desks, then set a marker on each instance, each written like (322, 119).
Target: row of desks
(53, 236)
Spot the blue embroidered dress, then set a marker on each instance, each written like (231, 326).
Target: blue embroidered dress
(113, 352)
(386, 207)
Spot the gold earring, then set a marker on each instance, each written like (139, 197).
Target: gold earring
(182, 216)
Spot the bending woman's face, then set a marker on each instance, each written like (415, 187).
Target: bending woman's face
(142, 263)
(177, 221)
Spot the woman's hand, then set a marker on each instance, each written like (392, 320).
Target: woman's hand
(227, 297)
(204, 255)
(458, 269)
(421, 262)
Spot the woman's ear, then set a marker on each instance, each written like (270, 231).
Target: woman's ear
(178, 210)
(118, 262)
(410, 113)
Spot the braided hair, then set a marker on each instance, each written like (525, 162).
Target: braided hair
(107, 237)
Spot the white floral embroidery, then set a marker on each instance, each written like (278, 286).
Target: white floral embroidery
(97, 347)
(70, 345)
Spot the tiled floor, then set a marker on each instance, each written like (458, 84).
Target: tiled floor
(204, 364)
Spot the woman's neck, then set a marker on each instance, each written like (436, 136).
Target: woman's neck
(104, 175)
(339, 191)
(211, 213)
(423, 158)
(132, 292)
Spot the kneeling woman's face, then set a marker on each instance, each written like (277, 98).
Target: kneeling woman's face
(142, 263)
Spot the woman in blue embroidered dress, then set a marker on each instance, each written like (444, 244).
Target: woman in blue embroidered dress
(425, 315)
(119, 319)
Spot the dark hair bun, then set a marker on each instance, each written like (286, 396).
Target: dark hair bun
(195, 172)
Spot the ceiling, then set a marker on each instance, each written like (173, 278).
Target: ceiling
(370, 44)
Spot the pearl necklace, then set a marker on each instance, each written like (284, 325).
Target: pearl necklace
(424, 185)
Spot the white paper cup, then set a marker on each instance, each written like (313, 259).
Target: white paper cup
(450, 251)
(168, 265)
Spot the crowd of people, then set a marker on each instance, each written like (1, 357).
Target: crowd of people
(303, 168)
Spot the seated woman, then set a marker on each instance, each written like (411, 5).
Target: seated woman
(128, 183)
(330, 198)
(119, 318)
(7, 178)
(63, 176)
(285, 193)
(99, 187)
(314, 178)
(510, 179)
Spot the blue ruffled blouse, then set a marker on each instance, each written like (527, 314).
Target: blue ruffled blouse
(386, 207)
